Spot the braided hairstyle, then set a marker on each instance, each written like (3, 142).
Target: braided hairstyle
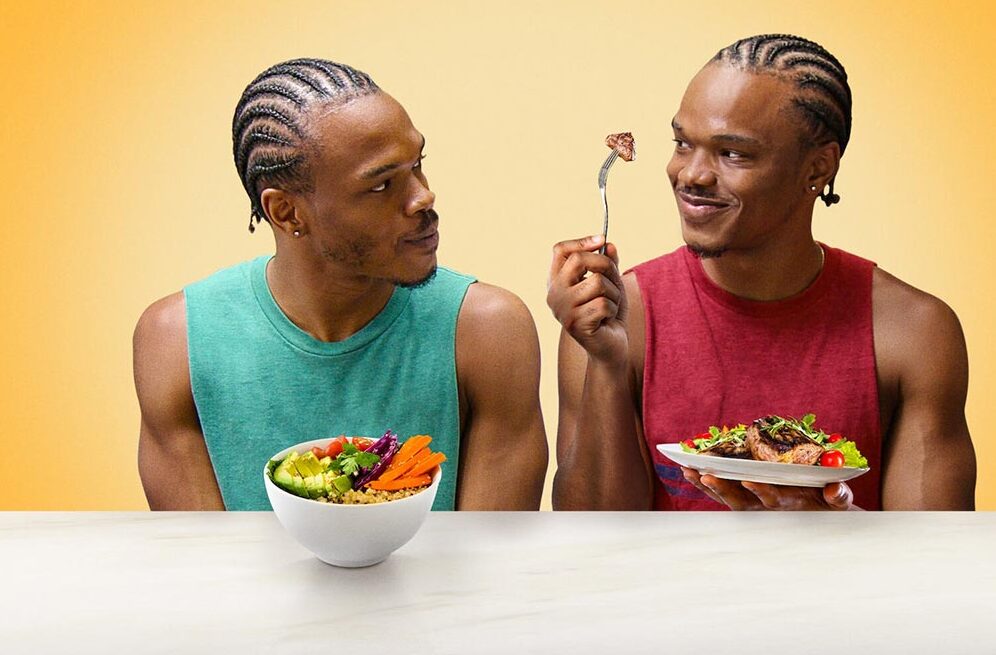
(823, 96)
(268, 131)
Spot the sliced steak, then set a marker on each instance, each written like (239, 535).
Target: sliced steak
(728, 449)
(623, 144)
(784, 444)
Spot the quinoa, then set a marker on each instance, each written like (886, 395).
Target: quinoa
(370, 496)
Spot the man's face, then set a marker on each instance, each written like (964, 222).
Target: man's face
(370, 205)
(738, 166)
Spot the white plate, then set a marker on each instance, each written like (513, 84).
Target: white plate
(728, 468)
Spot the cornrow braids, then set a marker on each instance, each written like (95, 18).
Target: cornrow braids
(824, 97)
(269, 141)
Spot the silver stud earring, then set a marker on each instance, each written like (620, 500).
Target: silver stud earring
(297, 233)
(812, 187)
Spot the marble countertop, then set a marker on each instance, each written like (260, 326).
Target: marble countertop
(504, 583)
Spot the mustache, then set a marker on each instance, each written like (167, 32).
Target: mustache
(429, 218)
(700, 192)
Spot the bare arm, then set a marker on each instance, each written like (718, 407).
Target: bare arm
(929, 462)
(602, 461)
(173, 460)
(503, 452)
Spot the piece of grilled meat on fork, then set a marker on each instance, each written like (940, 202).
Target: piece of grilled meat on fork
(783, 444)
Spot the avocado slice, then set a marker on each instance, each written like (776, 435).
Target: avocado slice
(342, 484)
(308, 465)
(283, 478)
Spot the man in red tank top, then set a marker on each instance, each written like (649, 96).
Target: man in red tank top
(754, 317)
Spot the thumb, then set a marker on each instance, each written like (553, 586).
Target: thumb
(838, 496)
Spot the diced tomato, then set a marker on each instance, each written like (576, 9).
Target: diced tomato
(832, 459)
(689, 443)
(335, 447)
(318, 452)
(362, 443)
(704, 435)
(835, 437)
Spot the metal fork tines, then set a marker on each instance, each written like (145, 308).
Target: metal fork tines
(603, 175)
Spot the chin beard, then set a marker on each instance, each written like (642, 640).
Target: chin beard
(417, 284)
(706, 253)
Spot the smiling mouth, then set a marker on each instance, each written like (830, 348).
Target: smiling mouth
(697, 208)
(426, 239)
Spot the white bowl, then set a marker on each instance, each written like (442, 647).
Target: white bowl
(348, 535)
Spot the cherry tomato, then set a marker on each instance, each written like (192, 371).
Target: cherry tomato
(362, 443)
(835, 437)
(318, 452)
(832, 459)
(689, 443)
(335, 447)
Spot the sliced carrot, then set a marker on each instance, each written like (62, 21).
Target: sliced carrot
(393, 473)
(403, 483)
(409, 448)
(426, 465)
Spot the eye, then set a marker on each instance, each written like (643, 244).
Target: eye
(733, 155)
(679, 144)
(381, 187)
(418, 164)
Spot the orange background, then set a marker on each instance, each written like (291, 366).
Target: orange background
(120, 187)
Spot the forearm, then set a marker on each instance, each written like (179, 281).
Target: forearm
(601, 466)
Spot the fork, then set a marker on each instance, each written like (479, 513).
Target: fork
(603, 175)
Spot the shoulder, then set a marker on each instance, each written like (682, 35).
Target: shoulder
(913, 329)
(162, 377)
(163, 321)
(491, 314)
(901, 308)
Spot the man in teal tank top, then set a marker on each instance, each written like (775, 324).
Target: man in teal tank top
(350, 328)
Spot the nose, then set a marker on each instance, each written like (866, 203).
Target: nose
(422, 198)
(697, 171)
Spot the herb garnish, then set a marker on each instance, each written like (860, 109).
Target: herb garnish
(352, 459)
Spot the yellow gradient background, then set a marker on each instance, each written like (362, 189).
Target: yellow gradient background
(119, 185)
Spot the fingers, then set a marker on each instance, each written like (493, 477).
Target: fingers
(727, 492)
(594, 286)
(579, 264)
(833, 496)
(767, 494)
(563, 250)
(838, 496)
(693, 476)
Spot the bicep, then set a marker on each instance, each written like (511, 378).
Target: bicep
(503, 454)
(929, 459)
(173, 461)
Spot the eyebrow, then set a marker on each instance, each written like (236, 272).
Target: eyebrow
(723, 138)
(384, 168)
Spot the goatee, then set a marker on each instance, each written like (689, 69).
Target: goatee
(706, 253)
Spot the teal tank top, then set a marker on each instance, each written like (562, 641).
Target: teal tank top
(262, 384)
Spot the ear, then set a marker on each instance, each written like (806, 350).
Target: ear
(282, 211)
(823, 164)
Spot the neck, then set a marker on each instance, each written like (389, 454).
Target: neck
(322, 301)
(773, 271)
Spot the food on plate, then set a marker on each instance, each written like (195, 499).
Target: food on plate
(778, 439)
(623, 144)
(358, 471)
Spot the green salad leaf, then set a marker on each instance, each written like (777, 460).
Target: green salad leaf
(852, 456)
(352, 459)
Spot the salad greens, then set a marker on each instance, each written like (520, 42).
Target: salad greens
(737, 435)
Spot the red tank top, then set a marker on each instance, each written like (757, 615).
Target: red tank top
(713, 358)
